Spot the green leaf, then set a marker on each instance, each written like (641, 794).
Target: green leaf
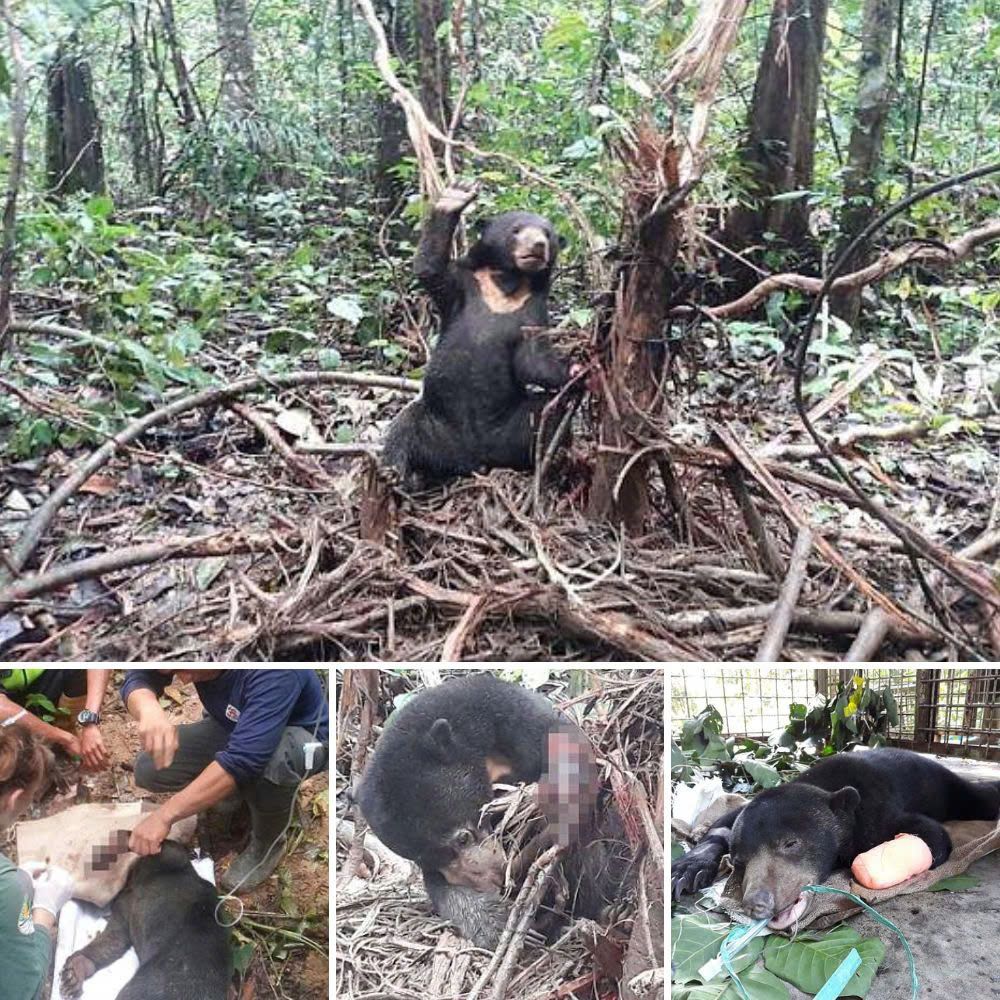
(809, 964)
(100, 206)
(208, 570)
(695, 940)
(759, 984)
(328, 358)
(765, 775)
(570, 31)
(346, 307)
(957, 883)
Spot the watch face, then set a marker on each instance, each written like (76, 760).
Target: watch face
(88, 718)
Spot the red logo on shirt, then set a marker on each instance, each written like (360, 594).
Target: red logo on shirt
(232, 713)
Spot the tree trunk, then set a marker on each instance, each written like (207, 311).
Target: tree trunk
(389, 117)
(643, 290)
(239, 75)
(864, 155)
(73, 155)
(136, 122)
(15, 167)
(186, 99)
(779, 151)
(434, 62)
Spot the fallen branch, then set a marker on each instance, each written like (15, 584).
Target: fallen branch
(890, 261)
(223, 544)
(16, 558)
(778, 625)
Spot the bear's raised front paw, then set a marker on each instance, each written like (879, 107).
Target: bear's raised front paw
(456, 199)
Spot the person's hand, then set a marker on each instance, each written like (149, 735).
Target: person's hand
(95, 757)
(69, 743)
(149, 834)
(53, 886)
(159, 737)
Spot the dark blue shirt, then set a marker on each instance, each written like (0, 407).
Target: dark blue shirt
(255, 706)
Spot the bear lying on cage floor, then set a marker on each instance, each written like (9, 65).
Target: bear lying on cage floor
(795, 835)
(167, 913)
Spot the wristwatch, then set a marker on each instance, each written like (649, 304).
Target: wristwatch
(88, 718)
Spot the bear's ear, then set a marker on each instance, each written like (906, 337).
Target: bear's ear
(562, 241)
(845, 801)
(441, 740)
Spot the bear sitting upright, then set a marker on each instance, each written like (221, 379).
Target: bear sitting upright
(477, 408)
(795, 835)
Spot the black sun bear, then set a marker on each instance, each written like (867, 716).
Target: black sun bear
(479, 407)
(795, 835)
(167, 912)
(433, 769)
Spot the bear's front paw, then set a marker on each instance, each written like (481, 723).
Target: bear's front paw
(75, 972)
(696, 869)
(456, 199)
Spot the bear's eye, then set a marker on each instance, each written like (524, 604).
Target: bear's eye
(791, 844)
(464, 838)
(737, 861)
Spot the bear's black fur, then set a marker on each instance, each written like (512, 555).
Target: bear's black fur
(433, 769)
(167, 913)
(477, 408)
(796, 834)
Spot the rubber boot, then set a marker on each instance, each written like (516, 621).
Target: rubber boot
(74, 706)
(270, 806)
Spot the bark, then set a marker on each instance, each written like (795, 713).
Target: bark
(239, 74)
(390, 119)
(18, 118)
(184, 97)
(73, 155)
(136, 121)
(434, 61)
(778, 153)
(864, 154)
(644, 286)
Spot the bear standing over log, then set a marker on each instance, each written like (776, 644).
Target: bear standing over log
(478, 407)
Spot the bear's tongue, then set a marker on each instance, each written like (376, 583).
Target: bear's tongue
(789, 915)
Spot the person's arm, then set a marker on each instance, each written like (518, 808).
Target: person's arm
(95, 756)
(97, 687)
(211, 786)
(158, 735)
(50, 734)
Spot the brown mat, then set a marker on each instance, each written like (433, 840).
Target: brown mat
(91, 842)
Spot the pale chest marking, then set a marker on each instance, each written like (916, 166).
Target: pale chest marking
(496, 300)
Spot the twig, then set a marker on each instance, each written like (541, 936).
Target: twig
(769, 649)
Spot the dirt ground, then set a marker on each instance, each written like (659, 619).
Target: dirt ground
(296, 901)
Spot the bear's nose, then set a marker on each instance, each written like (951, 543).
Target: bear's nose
(539, 246)
(759, 903)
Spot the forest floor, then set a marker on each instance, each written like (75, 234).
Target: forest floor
(221, 533)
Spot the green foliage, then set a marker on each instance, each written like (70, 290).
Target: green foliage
(810, 960)
(46, 709)
(855, 714)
